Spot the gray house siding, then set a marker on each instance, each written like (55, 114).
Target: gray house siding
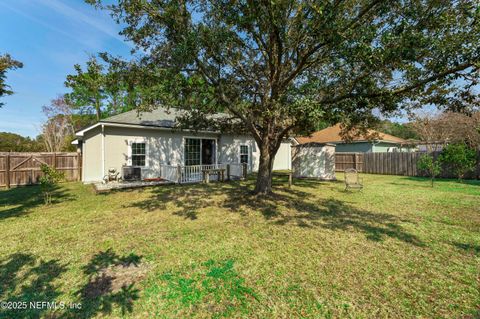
(360, 147)
(367, 147)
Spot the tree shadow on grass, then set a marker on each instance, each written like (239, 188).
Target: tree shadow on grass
(25, 198)
(111, 284)
(287, 206)
(474, 249)
(25, 278)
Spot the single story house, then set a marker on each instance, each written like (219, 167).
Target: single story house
(153, 140)
(361, 144)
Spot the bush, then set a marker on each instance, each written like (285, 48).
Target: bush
(48, 182)
(432, 167)
(460, 158)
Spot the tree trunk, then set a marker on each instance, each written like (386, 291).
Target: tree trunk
(97, 110)
(265, 168)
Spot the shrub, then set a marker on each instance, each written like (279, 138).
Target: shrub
(430, 166)
(460, 158)
(48, 182)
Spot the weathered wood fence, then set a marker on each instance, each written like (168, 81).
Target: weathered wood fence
(24, 168)
(397, 163)
(348, 160)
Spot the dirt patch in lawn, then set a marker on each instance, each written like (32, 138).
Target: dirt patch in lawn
(115, 278)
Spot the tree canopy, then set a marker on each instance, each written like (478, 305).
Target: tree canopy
(106, 87)
(7, 63)
(281, 67)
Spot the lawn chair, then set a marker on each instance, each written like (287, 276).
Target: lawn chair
(352, 180)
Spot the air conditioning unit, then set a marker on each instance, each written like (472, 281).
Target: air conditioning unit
(130, 173)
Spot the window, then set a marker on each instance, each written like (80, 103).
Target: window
(244, 154)
(192, 151)
(138, 154)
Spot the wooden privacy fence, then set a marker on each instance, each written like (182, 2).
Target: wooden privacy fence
(348, 160)
(24, 168)
(397, 163)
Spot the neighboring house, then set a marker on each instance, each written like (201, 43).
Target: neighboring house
(151, 139)
(383, 142)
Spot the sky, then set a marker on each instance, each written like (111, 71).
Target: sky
(49, 37)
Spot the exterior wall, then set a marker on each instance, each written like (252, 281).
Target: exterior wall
(162, 147)
(92, 155)
(283, 159)
(383, 147)
(314, 162)
(366, 147)
(360, 147)
(229, 146)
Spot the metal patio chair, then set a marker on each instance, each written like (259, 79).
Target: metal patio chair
(352, 180)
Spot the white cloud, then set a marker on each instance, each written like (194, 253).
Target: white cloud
(77, 15)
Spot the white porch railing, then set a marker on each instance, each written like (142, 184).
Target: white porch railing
(168, 172)
(194, 173)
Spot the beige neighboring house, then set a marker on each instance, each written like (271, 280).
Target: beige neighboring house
(150, 141)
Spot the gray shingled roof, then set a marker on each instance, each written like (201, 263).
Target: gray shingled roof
(158, 117)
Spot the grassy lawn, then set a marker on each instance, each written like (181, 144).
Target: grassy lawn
(397, 249)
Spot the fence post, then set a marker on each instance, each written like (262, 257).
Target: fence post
(55, 160)
(7, 170)
(244, 170)
(355, 161)
(228, 172)
(179, 174)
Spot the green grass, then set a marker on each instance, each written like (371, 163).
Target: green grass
(397, 249)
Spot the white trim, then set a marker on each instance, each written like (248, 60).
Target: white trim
(81, 132)
(129, 152)
(290, 157)
(200, 138)
(84, 150)
(103, 151)
(249, 154)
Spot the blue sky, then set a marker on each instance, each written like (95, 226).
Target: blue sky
(49, 37)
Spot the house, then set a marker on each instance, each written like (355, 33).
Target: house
(382, 143)
(153, 143)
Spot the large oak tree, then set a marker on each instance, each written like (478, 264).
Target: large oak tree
(282, 66)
